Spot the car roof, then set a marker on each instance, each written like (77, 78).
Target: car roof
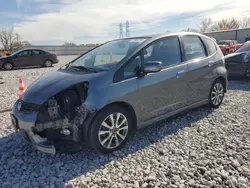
(156, 36)
(32, 49)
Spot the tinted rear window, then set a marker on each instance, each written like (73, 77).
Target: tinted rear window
(36, 52)
(193, 47)
(211, 47)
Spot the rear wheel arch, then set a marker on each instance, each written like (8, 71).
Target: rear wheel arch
(224, 82)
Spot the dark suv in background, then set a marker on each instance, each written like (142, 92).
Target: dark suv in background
(120, 86)
(28, 57)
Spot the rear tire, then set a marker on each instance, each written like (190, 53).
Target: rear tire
(105, 136)
(48, 63)
(8, 66)
(216, 94)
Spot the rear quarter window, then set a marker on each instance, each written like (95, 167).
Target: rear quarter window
(210, 45)
(193, 47)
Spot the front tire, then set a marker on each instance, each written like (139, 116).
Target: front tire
(217, 93)
(110, 129)
(8, 66)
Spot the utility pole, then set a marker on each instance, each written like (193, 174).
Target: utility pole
(121, 31)
(127, 29)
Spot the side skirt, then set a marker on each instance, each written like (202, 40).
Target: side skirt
(160, 118)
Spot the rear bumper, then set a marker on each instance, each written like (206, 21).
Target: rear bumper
(25, 124)
(55, 61)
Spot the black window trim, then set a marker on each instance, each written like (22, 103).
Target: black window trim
(182, 43)
(40, 52)
(163, 38)
(29, 52)
(215, 45)
(142, 57)
(125, 64)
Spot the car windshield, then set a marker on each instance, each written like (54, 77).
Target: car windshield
(245, 47)
(108, 55)
(223, 42)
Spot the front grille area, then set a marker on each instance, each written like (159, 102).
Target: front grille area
(29, 107)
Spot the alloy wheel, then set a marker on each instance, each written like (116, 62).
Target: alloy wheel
(8, 66)
(217, 94)
(48, 63)
(113, 130)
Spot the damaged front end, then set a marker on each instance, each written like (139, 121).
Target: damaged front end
(58, 122)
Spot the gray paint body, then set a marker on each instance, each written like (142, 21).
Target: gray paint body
(153, 96)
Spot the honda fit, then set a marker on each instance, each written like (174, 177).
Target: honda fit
(123, 85)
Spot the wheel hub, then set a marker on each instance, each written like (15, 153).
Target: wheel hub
(113, 130)
(217, 94)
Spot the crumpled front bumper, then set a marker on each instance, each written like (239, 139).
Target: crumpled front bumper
(25, 124)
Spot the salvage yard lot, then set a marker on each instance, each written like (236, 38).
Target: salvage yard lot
(202, 148)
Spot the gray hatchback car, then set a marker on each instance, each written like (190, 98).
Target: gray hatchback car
(120, 86)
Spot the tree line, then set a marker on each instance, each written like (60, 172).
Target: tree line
(208, 25)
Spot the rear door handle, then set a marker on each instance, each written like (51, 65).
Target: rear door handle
(180, 73)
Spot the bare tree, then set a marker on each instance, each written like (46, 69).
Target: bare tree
(26, 43)
(9, 39)
(205, 25)
(214, 27)
(245, 22)
(230, 23)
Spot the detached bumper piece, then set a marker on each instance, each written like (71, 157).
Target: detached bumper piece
(41, 144)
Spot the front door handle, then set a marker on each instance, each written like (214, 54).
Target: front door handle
(180, 73)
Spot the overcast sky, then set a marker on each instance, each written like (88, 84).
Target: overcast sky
(84, 21)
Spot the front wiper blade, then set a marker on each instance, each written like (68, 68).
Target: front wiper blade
(84, 68)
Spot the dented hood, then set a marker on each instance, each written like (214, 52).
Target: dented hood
(54, 82)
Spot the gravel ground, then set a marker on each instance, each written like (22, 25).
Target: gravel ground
(203, 148)
(9, 80)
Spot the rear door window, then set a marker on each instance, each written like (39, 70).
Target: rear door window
(193, 47)
(36, 52)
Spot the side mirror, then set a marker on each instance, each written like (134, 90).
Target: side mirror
(152, 66)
